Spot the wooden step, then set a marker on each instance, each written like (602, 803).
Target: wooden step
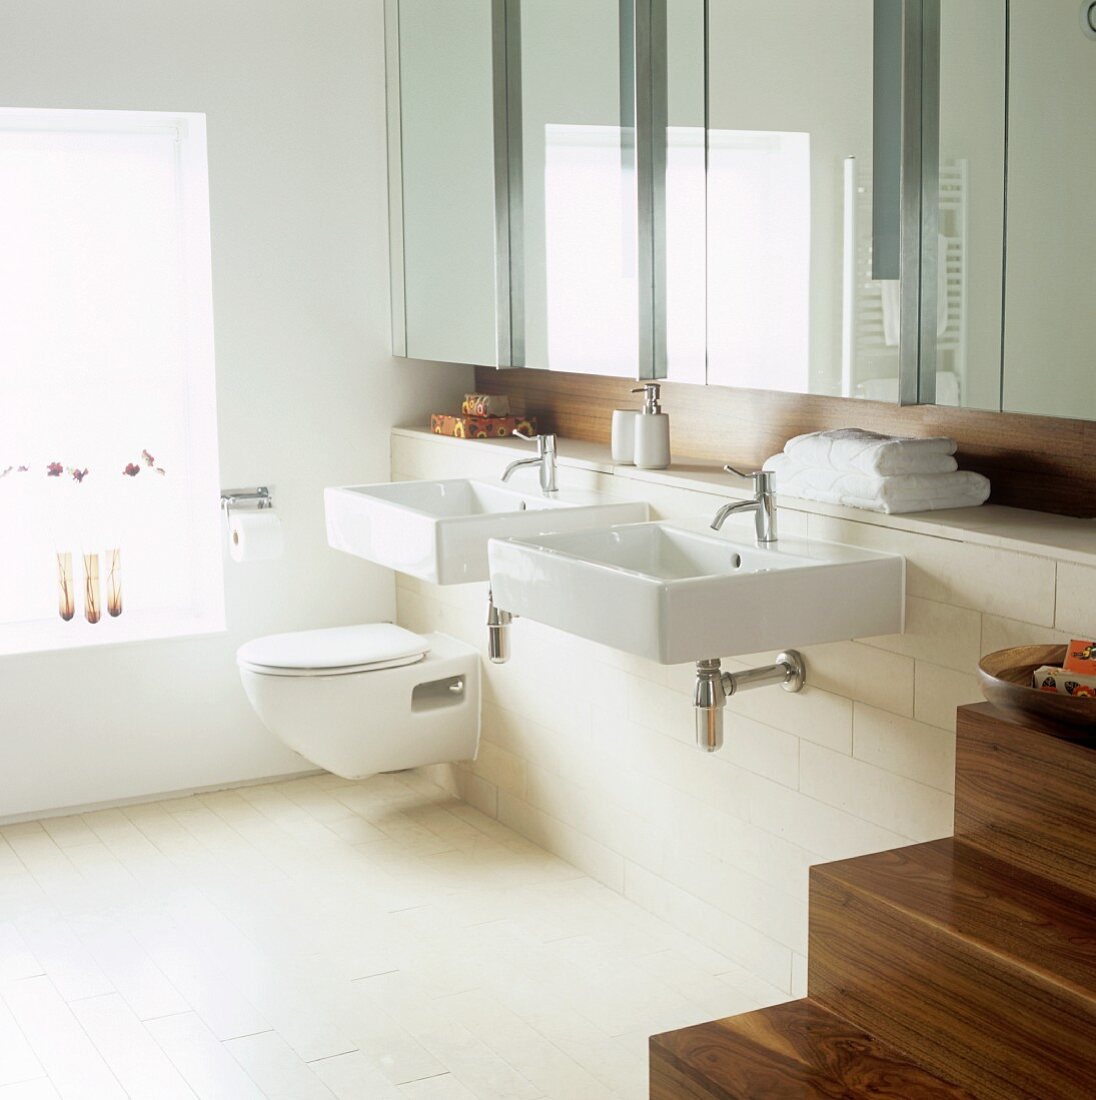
(1026, 796)
(794, 1051)
(980, 971)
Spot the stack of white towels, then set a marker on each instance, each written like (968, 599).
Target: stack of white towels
(882, 473)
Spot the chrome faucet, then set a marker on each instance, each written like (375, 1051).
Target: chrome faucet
(763, 505)
(546, 460)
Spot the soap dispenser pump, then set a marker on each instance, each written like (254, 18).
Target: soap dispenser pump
(652, 430)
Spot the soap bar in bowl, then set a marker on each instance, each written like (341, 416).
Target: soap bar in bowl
(1064, 682)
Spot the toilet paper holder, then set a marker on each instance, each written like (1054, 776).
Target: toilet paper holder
(256, 499)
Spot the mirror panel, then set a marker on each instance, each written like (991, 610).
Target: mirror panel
(1050, 326)
(969, 267)
(443, 182)
(579, 283)
(792, 302)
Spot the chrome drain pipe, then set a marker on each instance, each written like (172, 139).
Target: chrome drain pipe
(713, 686)
(498, 632)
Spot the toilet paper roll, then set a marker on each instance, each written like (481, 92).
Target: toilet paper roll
(255, 536)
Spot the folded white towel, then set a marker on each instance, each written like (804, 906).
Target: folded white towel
(857, 451)
(897, 493)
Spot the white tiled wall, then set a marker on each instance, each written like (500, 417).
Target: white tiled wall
(589, 752)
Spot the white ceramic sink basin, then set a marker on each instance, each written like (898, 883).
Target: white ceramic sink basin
(438, 530)
(672, 594)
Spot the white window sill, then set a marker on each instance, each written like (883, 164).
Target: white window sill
(47, 635)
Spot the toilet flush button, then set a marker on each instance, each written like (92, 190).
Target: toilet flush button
(1088, 18)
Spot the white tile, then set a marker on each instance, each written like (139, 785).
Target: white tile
(208, 1068)
(904, 746)
(75, 1067)
(142, 1068)
(983, 578)
(354, 1077)
(762, 749)
(504, 770)
(42, 1089)
(68, 832)
(811, 714)
(940, 692)
(862, 672)
(912, 809)
(276, 1069)
(69, 964)
(398, 1055)
(128, 968)
(16, 959)
(17, 1060)
(1075, 609)
(938, 632)
(999, 633)
(799, 975)
(589, 855)
(443, 1087)
(815, 825)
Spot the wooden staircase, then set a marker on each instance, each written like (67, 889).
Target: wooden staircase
(959, 968)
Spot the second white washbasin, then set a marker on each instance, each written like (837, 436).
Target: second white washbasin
(672, 594)
(438, 530)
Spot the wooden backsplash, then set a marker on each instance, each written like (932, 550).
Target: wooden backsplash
(1036, 462)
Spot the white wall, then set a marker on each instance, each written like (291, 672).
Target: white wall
(294, 96)
(590, 752)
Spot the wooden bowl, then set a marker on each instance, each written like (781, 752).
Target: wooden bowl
(1006, 683)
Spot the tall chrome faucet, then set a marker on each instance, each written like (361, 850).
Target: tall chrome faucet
(763, 505)
(546, 460)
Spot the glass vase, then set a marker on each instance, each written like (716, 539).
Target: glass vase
(92, 610)
(66, 594)
(114, 582)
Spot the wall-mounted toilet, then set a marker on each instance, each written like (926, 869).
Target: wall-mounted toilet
(357, 700)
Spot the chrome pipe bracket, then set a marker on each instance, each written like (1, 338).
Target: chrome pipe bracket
(788, 671)
(713, 686)
(255, 499)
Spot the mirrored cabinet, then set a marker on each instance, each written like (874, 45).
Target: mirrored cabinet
(877, 199)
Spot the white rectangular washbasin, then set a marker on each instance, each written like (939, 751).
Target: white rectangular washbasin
(438, 530)
(671, 594)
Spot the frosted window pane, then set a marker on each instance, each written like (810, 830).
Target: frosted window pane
(106, 352)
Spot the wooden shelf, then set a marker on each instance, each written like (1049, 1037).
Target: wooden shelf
(967, 963)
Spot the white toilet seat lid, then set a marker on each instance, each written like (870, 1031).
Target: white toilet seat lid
(343, 648)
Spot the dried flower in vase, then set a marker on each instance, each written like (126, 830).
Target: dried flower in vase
(114, 583)
(92, 611)
(66, 596)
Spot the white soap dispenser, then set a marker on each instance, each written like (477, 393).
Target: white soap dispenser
(652, 430)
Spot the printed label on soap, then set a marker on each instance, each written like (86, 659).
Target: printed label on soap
(1064, 681)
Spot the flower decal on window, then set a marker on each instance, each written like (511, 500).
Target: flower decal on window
(132, 469)
(77, 474)
(54, 469)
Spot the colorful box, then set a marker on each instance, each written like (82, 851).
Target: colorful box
(482, 427)
(1080, 657)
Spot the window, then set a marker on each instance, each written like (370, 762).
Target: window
(109, 525)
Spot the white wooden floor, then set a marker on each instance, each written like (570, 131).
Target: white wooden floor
(319, 938)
